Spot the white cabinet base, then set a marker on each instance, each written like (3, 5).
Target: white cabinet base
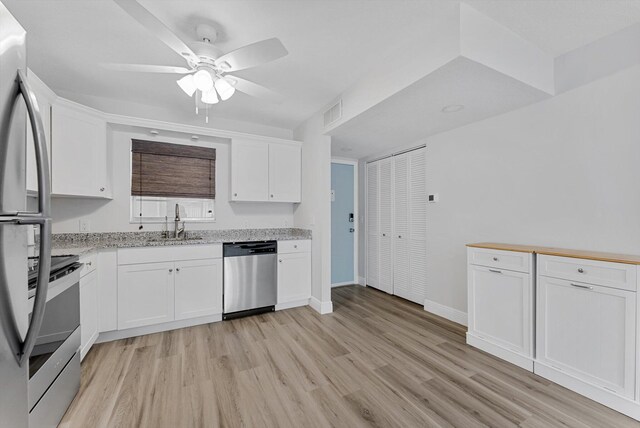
(500, 352)
(108, 336)
(601, 395)
(292, 304)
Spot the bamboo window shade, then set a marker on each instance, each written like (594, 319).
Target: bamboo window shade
(172, 170)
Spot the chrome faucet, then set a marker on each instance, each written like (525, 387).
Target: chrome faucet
(178, 231)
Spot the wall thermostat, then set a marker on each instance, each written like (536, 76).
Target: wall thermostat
(434, 197)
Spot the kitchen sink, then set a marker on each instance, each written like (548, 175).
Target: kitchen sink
(196, 238)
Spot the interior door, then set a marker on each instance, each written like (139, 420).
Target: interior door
(386, 225)
(417, 235)
(402, 265)
(372, 223)
(342, 224)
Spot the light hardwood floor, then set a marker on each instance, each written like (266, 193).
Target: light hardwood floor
(376, 361)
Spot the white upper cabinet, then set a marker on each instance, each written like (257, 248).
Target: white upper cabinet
(249, 170)
(284, 172)
(263, 171)
(79, 152)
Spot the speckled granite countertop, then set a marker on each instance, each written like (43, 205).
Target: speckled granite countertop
(82, 243)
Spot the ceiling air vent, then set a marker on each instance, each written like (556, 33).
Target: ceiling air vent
(333, 114)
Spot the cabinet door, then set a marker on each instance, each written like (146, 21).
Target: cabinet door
(400, 239)
(88, 312)
(385, 203)
(198, 288)
(79, 153)
(284, 172)
(294, 277)
(145, 294)
(500, 308)
(588, 332)
(417, 207)
(249, 170)
(372, 218)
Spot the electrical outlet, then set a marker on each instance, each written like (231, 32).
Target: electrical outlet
(85, 225)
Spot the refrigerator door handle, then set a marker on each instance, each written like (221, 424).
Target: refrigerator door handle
(41, 218)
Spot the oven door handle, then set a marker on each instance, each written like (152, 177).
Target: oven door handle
(40, 218)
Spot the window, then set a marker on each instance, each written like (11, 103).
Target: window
(163, 175)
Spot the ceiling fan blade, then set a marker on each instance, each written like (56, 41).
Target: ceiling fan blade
(160, 30)
(252, 55)
(145, 68)
(254, 89)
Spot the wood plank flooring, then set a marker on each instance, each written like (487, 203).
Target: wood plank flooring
(376, 361)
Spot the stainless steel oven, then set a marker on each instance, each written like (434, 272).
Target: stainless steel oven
(54, 364)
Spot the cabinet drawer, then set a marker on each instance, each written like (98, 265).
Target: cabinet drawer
(294, 246)
(607, 274)
(127, 256)
(510, 260)
(90, 262)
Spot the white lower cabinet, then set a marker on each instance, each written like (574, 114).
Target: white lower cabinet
(145, 294)
(88, 312)
(588, 332)
(500, 313)
(198, 288)
(294, 273)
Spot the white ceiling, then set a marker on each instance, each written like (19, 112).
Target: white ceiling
(331, 43)
(416, 111)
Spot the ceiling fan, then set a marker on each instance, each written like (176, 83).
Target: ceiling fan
(207, 65)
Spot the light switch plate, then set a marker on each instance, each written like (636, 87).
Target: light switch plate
(85, 225)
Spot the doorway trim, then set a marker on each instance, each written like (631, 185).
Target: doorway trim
(356, 217)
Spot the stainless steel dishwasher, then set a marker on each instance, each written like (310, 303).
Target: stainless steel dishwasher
(250, 278)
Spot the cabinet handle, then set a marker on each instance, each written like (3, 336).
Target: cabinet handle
(102, 189)
(495, 259)
(272, 196)
(580, 270)
(384, 234)
(400, 236)
(235, 194)
(280, 260)
(170, 270)
(177, 269)
(586, 287)
(88, 263)
(295, 246)
(495, 271)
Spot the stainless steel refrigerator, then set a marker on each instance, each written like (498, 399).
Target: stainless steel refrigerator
(18, 330)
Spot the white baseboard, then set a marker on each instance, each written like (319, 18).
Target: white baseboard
(292, 304)
(362, 281)
(342, 284)
(108, 336)
(321, 307)
(445, 312)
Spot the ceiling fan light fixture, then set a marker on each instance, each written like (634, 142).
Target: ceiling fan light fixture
(187, 84)
(224, 88)
(209, 97)
(203, 80)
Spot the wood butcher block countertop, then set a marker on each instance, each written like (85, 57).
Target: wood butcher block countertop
(562, 252)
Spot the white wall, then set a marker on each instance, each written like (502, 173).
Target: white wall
(315, 210)
(564, 172)
(114, 215)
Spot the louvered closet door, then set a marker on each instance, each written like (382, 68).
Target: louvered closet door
(373, 241)
(385, 196)
(401, 257)
(418, 225)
